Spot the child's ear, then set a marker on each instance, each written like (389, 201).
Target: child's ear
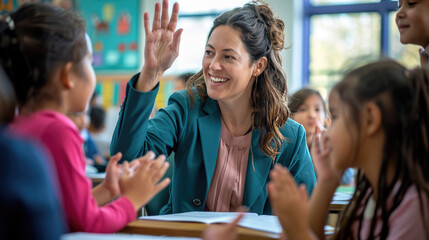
(373, 118)
(66, 78)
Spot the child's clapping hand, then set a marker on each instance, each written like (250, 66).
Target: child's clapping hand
(140, 182)
(223, 231)
(289, 202)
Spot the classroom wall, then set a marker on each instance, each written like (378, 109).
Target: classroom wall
(291, 13)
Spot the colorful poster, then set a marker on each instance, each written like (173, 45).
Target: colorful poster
(7, 6)
(113, 27)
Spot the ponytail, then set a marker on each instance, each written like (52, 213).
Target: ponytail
(416, 144)
(403, 99)
(34, 44)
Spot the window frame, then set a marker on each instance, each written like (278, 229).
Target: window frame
(383, 8)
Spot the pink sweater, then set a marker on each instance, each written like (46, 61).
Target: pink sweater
(62, 140)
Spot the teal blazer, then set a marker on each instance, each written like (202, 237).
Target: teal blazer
(192, 131)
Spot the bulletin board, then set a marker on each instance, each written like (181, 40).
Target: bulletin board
(112, 88)
(113, 27)
(7, 6)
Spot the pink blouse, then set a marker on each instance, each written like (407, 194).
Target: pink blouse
(405, 222)
(227, 185)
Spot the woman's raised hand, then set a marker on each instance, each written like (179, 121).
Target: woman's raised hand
(161, 45)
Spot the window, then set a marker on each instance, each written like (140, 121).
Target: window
(196, 18)
(342, 34)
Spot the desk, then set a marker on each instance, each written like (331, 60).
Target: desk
(187, 229)
(96, 178)
(338, 206)
(339, 203)
(341, 198)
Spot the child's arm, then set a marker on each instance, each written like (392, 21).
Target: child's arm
(327, 182)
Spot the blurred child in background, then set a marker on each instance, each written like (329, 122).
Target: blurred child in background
(309, 109)
(92, 154)
(96, 128)
(180, 81)
(412, 20)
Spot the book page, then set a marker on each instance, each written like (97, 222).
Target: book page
(118, 236)
(197, 216)
(266, 223)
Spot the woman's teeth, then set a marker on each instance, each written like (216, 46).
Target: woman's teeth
(218, 80)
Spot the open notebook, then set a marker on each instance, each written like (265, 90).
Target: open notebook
(266, 223)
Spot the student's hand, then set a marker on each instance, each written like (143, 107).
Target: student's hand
(113, 174)
(289, 203)
(423, 57)
(141, 184)
(161, 45)
(99, 159)
(320, 155)
(223, 231)
(319, 127)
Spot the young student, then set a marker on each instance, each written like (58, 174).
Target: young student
(308, 108)
(412, 20)
(97, 126)
(380, 126)
(181, 80)
(29, 204)
(230, 126)
(95, 161)
(47, 57)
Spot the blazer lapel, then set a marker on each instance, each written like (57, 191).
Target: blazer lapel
(209, 130)
(257, 172)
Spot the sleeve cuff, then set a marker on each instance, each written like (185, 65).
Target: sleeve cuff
(132, 84)
(129, 208)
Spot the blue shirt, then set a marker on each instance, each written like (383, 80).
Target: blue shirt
(29, 204)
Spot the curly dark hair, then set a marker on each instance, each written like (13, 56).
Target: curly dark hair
(263, 36)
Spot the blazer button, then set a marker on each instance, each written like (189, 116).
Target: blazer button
(196, 202)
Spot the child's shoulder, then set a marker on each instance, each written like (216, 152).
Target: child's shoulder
(43, 123)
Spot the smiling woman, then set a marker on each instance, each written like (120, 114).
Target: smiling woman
(230, 126)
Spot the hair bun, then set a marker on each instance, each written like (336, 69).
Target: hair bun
(274, 26)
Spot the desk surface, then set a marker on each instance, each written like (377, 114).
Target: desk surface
(187, 229)
(338, 206)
